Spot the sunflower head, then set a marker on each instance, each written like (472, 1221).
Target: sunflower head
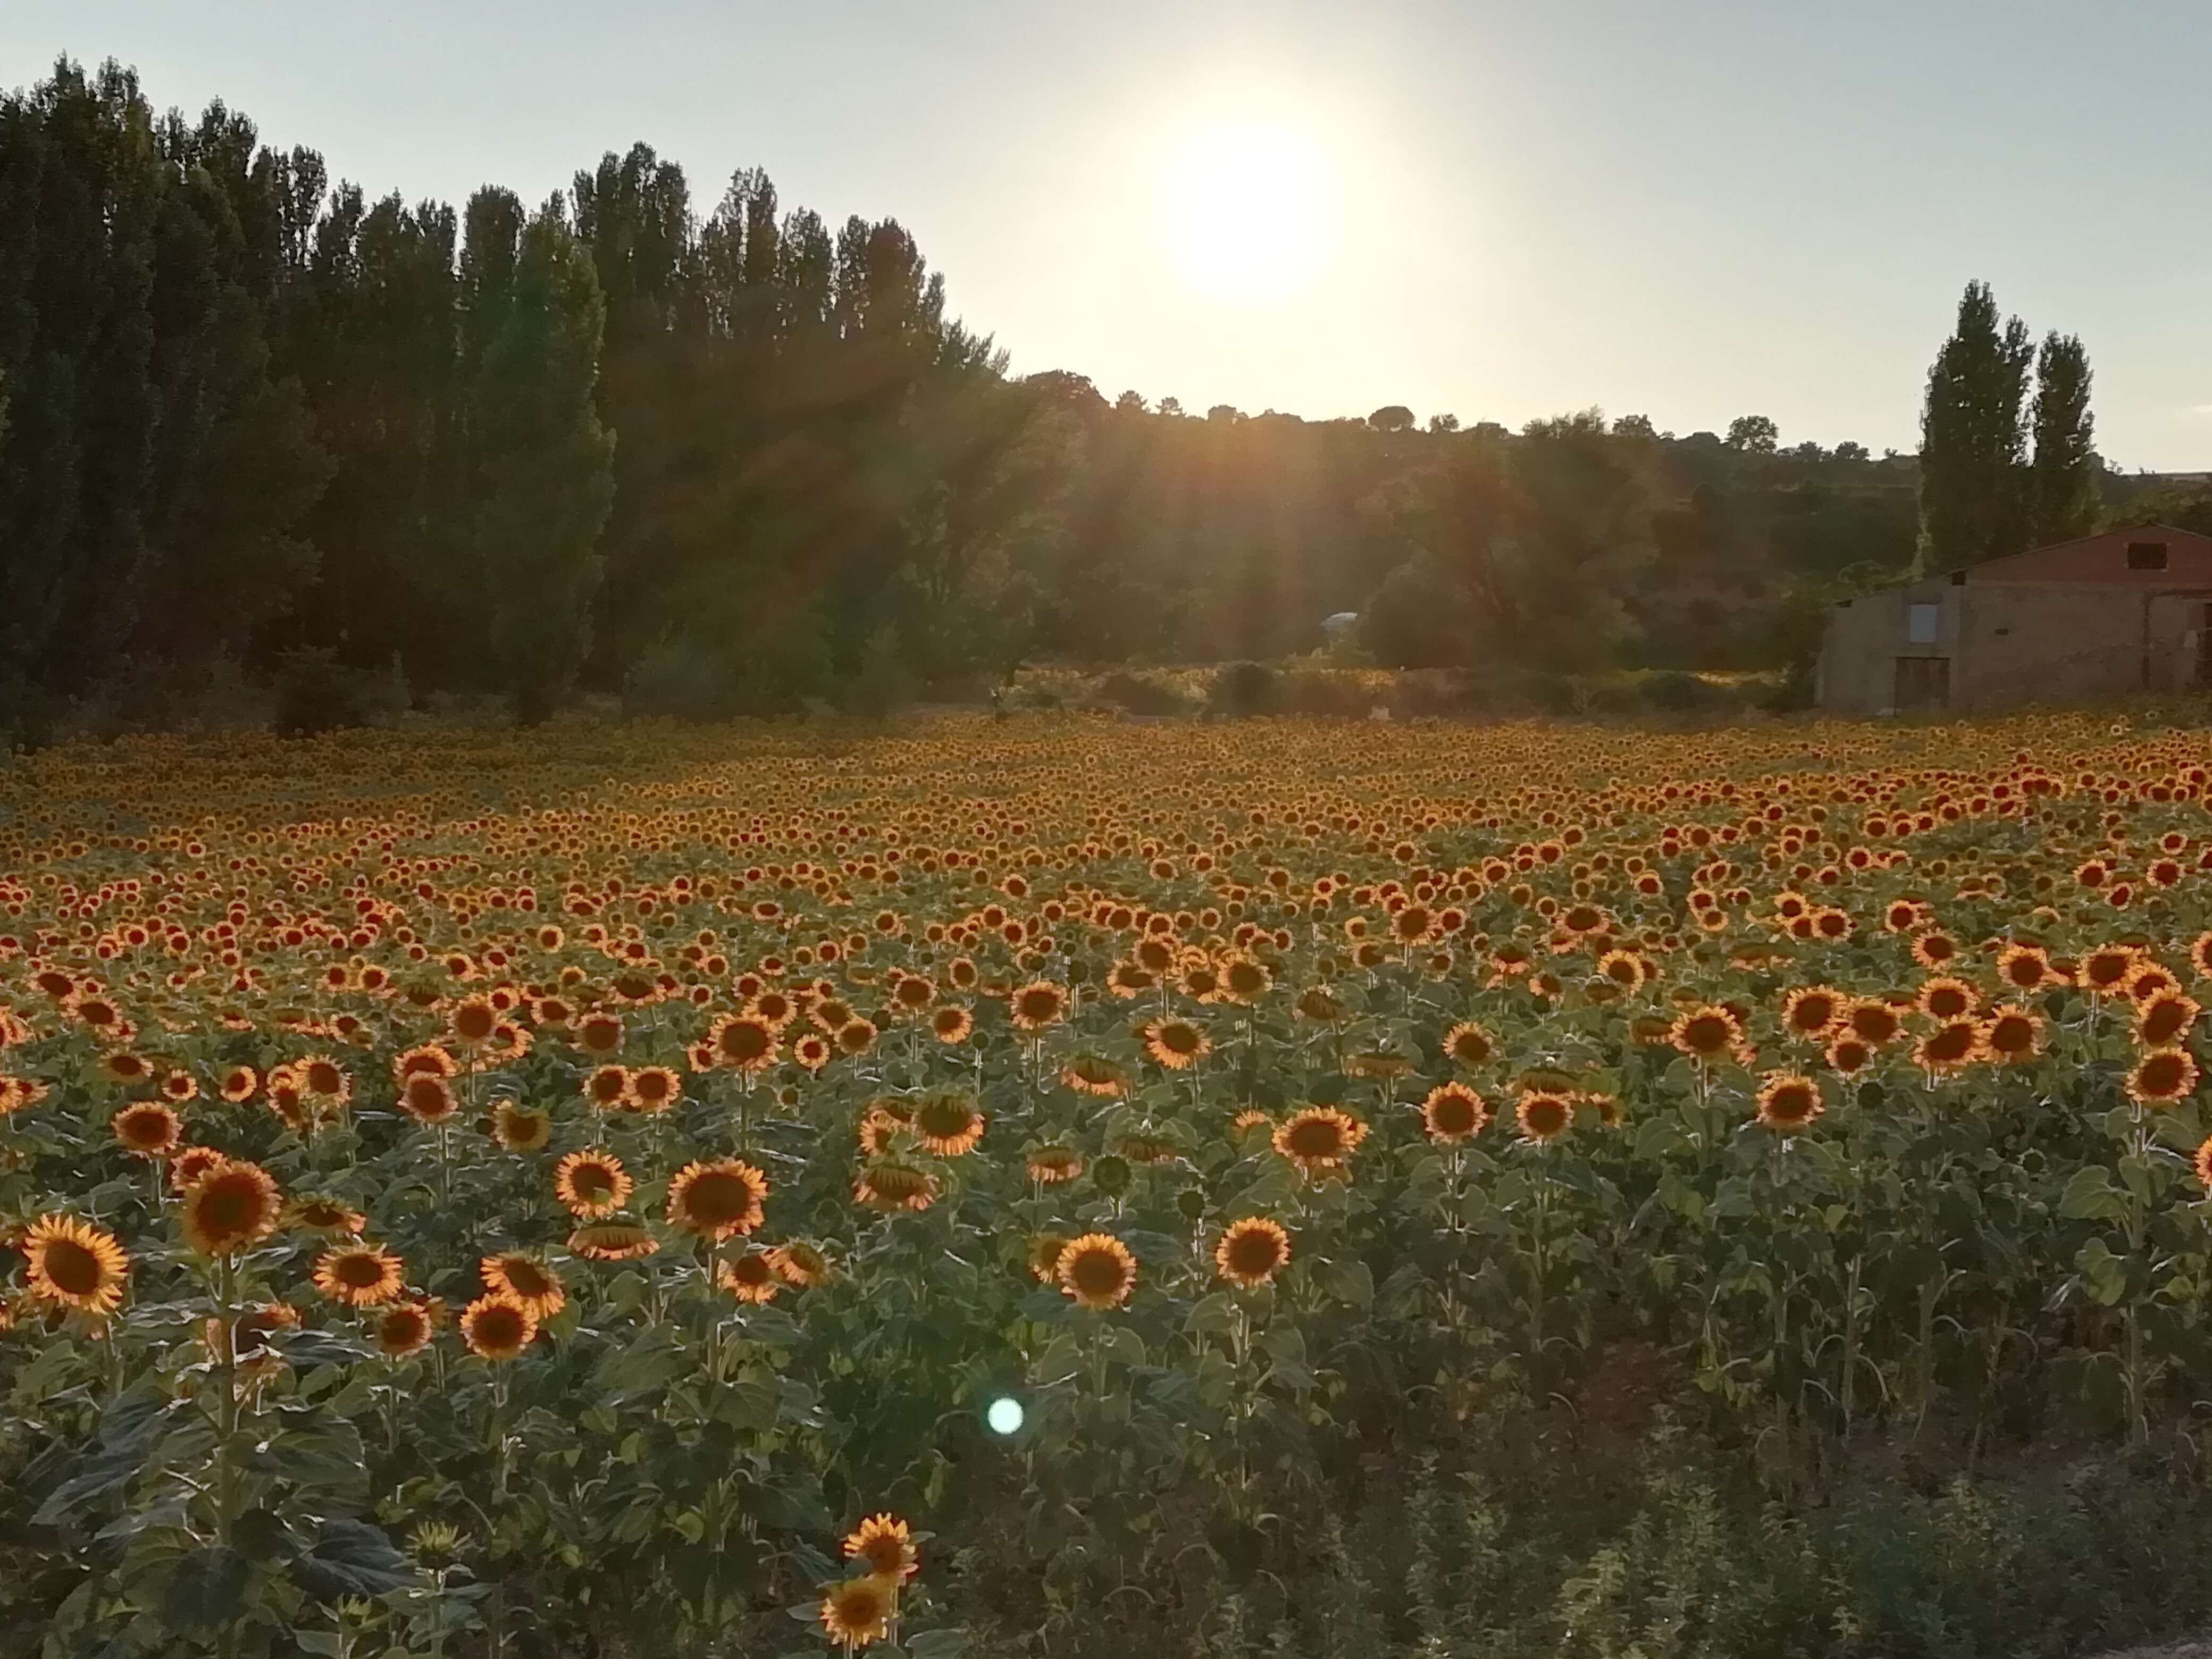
(230, 1208)
(74, 1264)
(497, 1327)
(527, 1279)
(884, 1547)
(591, 1184)
(717, 1200)
(1453, 1112)
(948, 1122)
(1251, 1252)
(358, 1275)
(858, 1612)
(1098, 1271)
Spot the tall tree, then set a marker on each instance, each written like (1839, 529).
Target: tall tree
(546, 465)
(2063, 478)
(1973, 440)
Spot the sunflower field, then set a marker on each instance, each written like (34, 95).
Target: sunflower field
(1058, 1187)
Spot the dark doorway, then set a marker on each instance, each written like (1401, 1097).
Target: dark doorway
(1924, 683)
(2204, 648)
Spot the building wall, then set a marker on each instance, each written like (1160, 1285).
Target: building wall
(1858, 671)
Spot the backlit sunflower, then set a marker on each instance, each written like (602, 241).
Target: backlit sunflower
(497, 1327)
(1453, 1112)
(885, 1547)
(612, 1240)
(230, 1208)
(527, 1279)
(75, 1265)
(1089, 1074)
(1788, 1102)
(402, 1329)
(591, 1184)
(359, 1275)
(1543, 1115)
(2162, 1077)
(1098, 1271)
(1251, 1252)
(147, 1129)
(1468, 1043)
(519, 1128)
(1050, 1165)
(751, 1277)
(1038, 1005)
(858, 1612)
(1319, 1138)
(950, 1024)
(887, 1184)
(717, 1200)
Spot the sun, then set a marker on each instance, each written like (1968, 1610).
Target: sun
(1248, 211)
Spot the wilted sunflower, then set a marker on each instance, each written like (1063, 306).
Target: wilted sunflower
(230, 1208)
(948, 1122)
(884, 1546)
(1089, 1074)
(1453, 1112)
(2162, 1077)
(888, 1184)
(1788, 1102)
(402, 1330)
(1098, 1271)
(1319, 1138)
(717, 1200)
(612, 1240)
(497, 1327)
(751, 1277)
(858, 1612)
(1175, 1044)
(1544, 1117)
(75, 1265)
(591, 1184)
(359, 1275)
(147, 1129)
(527, 1279)
(1050, 1165)
(1251, 1252)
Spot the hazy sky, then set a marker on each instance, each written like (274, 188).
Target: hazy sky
(1693, 209)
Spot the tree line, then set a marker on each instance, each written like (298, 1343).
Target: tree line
(720, 456)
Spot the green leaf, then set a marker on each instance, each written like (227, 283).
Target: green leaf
(2091, 1196)
(352, 1557)
(207, 1590)
(938, 1643)
(1348, 1281)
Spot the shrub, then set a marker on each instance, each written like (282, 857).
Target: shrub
(1138, 693)
(1247, 688)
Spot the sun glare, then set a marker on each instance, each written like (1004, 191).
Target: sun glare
(1247, 212)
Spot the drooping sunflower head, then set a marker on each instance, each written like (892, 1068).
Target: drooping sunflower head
(1098, 1271)
(592, 1184)
(1090, 1074)
(886, 1183)
(74, 1264)
(717, 1200)
(1050, 1165)
(1251, 1252)
(801, 1263)
(612, 1240)
(312, 1214)
(230, 1208)
(949, 1122)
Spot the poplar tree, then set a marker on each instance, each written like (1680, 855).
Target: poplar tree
(2062, 484)
(1973, 441)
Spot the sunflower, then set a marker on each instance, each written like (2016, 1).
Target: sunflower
(1872, 1021)
(1951, 1047)
(402, 1329)
(948, 1123)
(1544, 1115)
(238, 1084)
(1706, 1033)
(231, 1207)
(1044, 1253)
(1249, 1119)
(1947, 999)
(1319, 1138)
(607, 1087)
(1098, 1271)
(1050, 1165)
(1089, 1074)
(888, 1184)
(1251, 1252)
(612, 1240)
(18, 1094)
(427, 1097)
(188, 1164)
(716, 1200)
(2162, 1077)
(520, 1128)
(884, 1546)
(527, 1279)
(858, 1612)
(1812, 1012)
(751, 1277)
(324, 1078)
(801, 1263)
(1127, 979)
(951, 1024)
(75, 1264)
(2025, 967)
(326, 1216)
(1175, 1044)
(1847, 1054)
(2164, 1017)
(147, 1129)
(497, 1327)
(1245, 979)
(1468, 1043)
(747, 1042)
(812, 1051)
(2011, 1035)
(1788, 1102)
(2204, 1166)
(359, 1275)
(1037, 1005)
(1453, 1112)
(2104, 969)
(591, 1184)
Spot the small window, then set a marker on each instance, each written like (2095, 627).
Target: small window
(2145, 556)
(1920, 624)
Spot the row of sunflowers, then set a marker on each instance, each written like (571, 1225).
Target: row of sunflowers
(469, 1193)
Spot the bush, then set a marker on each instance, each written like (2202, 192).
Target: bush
(1136, 694)
(1247, 688)
(1674, 692)
(316, 693)
(1315, 691)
